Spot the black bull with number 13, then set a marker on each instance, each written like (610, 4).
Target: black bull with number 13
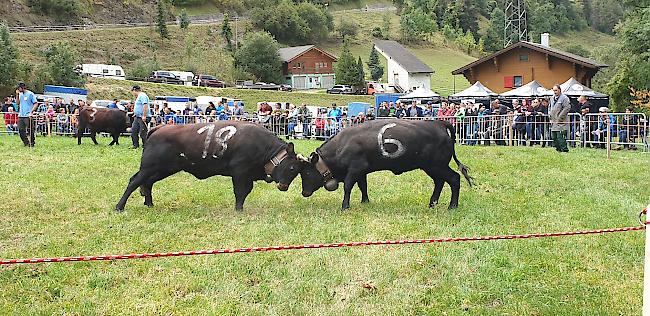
(395, 145)
(244, 151)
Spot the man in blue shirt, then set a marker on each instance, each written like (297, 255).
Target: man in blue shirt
(140, 111)
(113, 105)
(335, 112)
(27, 105)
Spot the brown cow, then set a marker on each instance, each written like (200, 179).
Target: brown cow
(112, 121)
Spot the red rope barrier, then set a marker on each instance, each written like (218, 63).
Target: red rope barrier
(315, 246)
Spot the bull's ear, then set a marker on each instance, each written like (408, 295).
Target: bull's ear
(314, 158)
(291, 149)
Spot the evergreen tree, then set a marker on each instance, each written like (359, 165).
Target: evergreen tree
(415, 24)
(226, 31)
(161, 20)
(480, 47)
(493, 37)
(376, 69)
(184, 20)
(8, 58)
(467, 41)
(346, 68)
(361, 74)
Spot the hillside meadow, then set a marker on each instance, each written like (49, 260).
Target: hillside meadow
(107, 89)
(59, 201)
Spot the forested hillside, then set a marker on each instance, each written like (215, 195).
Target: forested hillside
(444, 33)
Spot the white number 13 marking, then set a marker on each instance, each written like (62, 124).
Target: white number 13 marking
(381, 141)
(221, 139)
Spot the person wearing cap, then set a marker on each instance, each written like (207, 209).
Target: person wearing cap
(27, 104)
(140, 111)
(558, 114)
(335, 113)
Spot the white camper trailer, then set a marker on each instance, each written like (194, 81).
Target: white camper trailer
(102, 71)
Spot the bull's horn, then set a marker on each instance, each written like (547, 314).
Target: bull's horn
(301, 157)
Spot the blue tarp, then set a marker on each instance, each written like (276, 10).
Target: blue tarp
(173, 99)
(386, 97)
(64, 90)
(354, 108)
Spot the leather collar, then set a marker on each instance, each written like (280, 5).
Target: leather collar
(275, 161)
(322, 168)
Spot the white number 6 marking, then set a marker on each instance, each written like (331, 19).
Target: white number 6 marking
(221, 139)
(382, 141)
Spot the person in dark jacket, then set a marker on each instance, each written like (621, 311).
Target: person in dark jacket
(414, 110)
(383, 111)
(591, 121)
(558, 114)
(498, 113)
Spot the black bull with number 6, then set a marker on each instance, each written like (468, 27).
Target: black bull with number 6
(244, 151)
(395, 145)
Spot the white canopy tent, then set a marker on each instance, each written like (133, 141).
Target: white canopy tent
(573, 88)
(529, 90)
(477, 90)
(420, 93)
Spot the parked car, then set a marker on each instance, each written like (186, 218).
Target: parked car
(341, 89)
(208, 81)
(186, 76)
(286, 87)
(164, 77)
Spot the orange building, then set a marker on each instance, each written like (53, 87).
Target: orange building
(523, 62)
(308, 67)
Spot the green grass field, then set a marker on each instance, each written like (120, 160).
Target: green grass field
(59, 198)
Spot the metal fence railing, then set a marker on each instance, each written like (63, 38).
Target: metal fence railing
(619, 130)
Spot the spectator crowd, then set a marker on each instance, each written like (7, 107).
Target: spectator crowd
(523, 122)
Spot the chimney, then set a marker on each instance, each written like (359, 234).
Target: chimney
(545, 40)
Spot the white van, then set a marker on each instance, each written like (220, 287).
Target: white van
(102, 71)
(187, 77)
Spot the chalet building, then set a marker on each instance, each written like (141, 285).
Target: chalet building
(523, 62)
(405, 71)
(308, 67)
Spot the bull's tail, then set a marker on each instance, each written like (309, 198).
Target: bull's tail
(463, 169)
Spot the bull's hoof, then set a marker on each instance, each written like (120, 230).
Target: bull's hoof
(365, 200)
(150, 204)
(119, 209)
(239, 209)
(453, 207)
(433, 204)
